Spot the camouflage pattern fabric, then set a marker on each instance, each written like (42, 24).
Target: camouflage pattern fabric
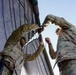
(66, 46)
(13, 55)
(19, 32)
(15, 58)
(6, 71)
(70, 68)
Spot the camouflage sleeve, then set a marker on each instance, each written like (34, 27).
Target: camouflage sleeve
(59, 21)
(30, 57)
(1, 55)
(52, 52)
(17, 34)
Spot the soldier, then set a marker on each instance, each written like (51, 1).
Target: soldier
(12, 55)
(66, 46)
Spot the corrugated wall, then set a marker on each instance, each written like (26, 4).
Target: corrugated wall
(14, 13)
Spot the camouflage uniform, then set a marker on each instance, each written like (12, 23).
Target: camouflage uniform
(14, 57)
(66, 46)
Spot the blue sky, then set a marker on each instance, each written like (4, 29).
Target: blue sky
(62, 8)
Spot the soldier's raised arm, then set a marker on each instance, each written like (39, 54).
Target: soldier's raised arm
(17, 34)
(30, 57)
(60, 21)
(51, 50)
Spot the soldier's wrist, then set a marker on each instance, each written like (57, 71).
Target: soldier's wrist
(49, 44)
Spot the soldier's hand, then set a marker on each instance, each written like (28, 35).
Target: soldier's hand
(40, 40)
(47, 40)
(41, 43)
